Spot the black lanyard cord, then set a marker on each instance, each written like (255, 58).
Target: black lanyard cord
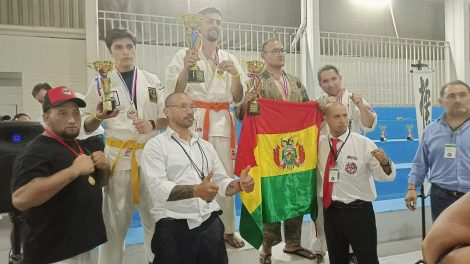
(200, 172)
(336, 154)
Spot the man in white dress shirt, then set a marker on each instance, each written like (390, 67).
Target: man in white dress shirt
(224, 84)
(184, 174)
(348, 163)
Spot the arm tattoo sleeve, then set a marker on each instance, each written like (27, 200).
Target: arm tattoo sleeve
(181, 192)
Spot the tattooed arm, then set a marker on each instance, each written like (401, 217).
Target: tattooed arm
(181, 192)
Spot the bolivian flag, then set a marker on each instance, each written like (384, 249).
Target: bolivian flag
(280, 145)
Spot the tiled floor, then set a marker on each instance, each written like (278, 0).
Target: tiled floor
(135, 253)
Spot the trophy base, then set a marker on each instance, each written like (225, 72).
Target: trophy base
(409, 138)
(253, 108)
(383, 139)
(109, 106)
(196, 76)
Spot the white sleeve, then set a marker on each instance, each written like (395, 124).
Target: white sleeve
(154, 169)
(374, 165)
(92, 98)
(172, 72)
(243, 77)
(357, 114)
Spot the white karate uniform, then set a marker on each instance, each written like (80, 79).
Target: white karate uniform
(118, 205)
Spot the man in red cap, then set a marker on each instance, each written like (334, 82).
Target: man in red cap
(57, 182)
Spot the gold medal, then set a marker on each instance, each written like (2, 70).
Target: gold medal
(220, 73)
(91, 180)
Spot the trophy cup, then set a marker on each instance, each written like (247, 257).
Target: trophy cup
(255, 68)
(383, 136)
(192, 22)
(410, 132)
(103, 68)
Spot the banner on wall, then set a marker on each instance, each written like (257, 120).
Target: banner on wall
(422, 83)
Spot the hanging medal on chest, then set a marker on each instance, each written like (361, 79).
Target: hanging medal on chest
(132, 113)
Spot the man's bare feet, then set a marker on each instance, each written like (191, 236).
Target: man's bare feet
(234, 241)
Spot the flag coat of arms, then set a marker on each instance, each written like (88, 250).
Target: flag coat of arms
(280, 145)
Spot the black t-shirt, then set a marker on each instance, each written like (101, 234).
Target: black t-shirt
(71, 222)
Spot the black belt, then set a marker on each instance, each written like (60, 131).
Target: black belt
(451, 193)
(353, 204)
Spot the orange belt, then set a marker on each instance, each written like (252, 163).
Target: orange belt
(216, 107)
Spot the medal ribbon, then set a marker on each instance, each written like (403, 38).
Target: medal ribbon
(134, 84)
(54, 136)
(284, 84)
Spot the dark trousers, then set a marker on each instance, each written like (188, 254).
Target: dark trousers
(174, 243)
(351, 224)
(441, 199)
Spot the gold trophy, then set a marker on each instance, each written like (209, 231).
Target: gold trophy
(410, 132)
(383, 136)
(103, 68)
(255, 68)
(192, 22)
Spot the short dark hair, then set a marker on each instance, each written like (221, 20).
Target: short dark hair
(40, 86)
(326, 68)
(119, 33)
(17, 116)
(210, 10)
(265, 43)
(456, 82)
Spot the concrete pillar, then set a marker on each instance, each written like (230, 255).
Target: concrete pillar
(310, 46)
(91, 35)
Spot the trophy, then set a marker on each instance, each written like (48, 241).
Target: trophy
(383, 136)
(255, 68)
(192, 22)
(410, 132)
(103, 68)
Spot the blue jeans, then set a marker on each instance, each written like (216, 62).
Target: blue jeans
(441, 199)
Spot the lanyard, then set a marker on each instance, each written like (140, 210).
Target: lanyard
(65, 144)
(284, 84)
(335, 155)
(200, 172)
(134, 84)
(216, 59)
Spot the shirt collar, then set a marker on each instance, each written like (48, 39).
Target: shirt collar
(170, 132)
(341, 138)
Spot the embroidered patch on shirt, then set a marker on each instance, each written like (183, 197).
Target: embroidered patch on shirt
(153, 94)
(351, 157)
(350, 167)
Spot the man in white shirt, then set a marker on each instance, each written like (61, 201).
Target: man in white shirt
(348, 163)
(138, 116)
(184, 174)
(363, 117)
(224, 84)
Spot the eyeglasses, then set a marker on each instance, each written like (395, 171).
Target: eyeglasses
(184, 107)
(276, 51)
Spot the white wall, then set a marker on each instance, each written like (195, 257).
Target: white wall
(52, 60)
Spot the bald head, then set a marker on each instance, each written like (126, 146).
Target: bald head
(179, 110)
(336, 117)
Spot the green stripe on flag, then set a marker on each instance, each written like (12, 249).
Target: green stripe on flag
(289, 195)
(251, 227)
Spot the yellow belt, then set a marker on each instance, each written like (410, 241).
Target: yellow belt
(133, 146)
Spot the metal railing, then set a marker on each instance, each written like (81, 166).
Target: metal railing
(376, 66)
(159, 37)
(379, 67)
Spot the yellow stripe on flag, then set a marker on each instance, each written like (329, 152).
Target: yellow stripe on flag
(279, 154)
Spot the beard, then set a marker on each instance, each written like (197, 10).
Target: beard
(213, 35)
(68, 135)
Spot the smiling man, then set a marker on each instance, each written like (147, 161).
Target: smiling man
(57, 184)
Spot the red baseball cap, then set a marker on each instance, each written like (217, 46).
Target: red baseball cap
(59, 95)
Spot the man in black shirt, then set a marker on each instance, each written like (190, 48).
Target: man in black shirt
(57, 183)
